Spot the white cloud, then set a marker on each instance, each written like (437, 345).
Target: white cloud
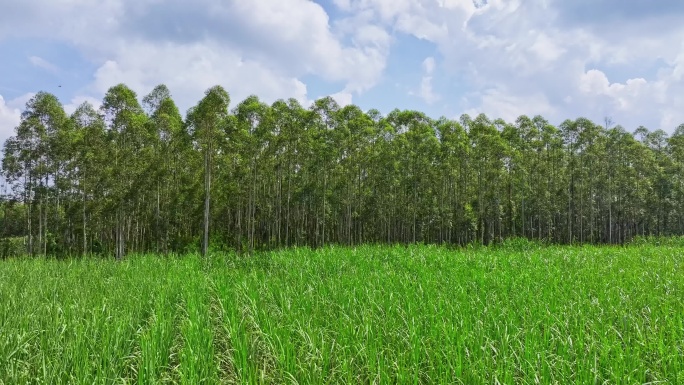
(429, 65)
(342, 98)
(39, 62)
(525, 57)
(595, 82)
(510, 106)
(635, 98)
(425, 90)
(678, 71)
(75, 102)
(9, 120)
(546, 49)
(506, 56)
(19, 102)
(344, 5)
(191, 69)
(249, 47)
(298, 34)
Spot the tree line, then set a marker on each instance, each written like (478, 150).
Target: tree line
(136, 176)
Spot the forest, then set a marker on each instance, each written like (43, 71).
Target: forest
(136, 176)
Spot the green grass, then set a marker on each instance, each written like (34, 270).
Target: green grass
(373, 314)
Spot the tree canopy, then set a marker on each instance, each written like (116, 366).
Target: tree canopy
(138, 177)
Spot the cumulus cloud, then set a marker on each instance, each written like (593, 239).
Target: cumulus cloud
(75, 102)
(635, 98)
(9, 119)
(560, 58)
(249, 47)
(595, 82)
(20, 101)
(425, 90)
(343, 98)
(554, 57)
(546, 48)
(509, 106)
(191, 69)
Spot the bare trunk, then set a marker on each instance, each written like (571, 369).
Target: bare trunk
(119, 235)
(85, 242)
(325, 180)
(40, 224)
(28, 220)
(207, 192)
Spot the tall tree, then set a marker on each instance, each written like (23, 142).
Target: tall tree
(208, 119)
(135, 177)
(126, 123)
(166, 126)
(33, 155)
(88, 156)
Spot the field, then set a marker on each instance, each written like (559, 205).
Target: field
(373, 314)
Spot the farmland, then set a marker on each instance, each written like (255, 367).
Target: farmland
(371, 314)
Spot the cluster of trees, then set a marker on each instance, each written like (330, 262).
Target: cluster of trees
(137, 177)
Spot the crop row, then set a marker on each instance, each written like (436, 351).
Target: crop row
(342, 315)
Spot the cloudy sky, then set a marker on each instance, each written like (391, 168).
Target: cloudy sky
(558, 58)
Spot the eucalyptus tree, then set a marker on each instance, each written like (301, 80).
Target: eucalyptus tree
(676, 153)
(385, 177)
(597, 184)
(290, 123)
(469, 220)
(505, 153)
(32, 154)
(517, 165)
(660, 203)
(488, 154)
(624, 195)
(417, 151)
(325, 122)
(88, 157)
(282, 152)
(126, 178)
(570, 135)
(403, 208)
(167, 133)
(529, 176)
(207, 119)
(424, 149)
(555, 178)
(18, 166)
(453, 162)
(128, 137)
(249, 139)
(353, 137)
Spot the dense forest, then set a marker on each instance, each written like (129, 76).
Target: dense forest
(138, 177)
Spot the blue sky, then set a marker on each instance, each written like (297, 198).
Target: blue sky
(561, 59)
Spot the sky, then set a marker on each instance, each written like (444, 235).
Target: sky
(556, 58)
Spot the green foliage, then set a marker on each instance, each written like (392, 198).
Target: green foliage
(521, 244)
(658, 241)
(137, 176)
(12, 247)
(515, 313)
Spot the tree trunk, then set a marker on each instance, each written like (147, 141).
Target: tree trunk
(207, 192)
(85, 242)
